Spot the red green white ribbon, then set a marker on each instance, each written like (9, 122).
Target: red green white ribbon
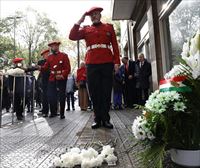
(174, 84)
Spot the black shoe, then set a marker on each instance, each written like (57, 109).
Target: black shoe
(20, 118)
(44, 115)
(107, 124)
(73, 108)
(96, 125)
(62, 117)
(68, 109)
(52, 115)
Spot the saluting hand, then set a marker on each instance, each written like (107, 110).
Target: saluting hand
(81, 19)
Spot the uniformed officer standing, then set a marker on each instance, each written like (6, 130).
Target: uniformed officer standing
(43, 80)
(59, 66)
(18, 91)
(100, 60)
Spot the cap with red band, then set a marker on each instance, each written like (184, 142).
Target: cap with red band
(93, 9)
(17, 60)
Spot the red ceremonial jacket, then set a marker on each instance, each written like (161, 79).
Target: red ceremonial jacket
(58, 65)
(100, 34)
(81, 74)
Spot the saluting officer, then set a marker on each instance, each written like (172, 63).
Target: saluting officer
(101, 57)
(58, 64)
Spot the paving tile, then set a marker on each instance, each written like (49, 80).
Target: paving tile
(35, 143)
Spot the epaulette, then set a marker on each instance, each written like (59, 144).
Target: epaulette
(64, 53)
(109, 24)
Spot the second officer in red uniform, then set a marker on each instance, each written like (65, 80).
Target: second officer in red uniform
(101, 57)
(58, 64)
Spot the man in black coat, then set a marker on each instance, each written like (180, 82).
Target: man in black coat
(44, 78)
(17, 80)
(128, 69)
(142, 74)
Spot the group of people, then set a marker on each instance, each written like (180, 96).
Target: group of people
(131, 83)
(94, 77)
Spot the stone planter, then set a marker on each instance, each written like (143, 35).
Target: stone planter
(188, 158)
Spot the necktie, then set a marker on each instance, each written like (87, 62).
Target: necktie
(127, 67)
(141, 64)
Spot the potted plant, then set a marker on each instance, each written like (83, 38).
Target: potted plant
(171, 115)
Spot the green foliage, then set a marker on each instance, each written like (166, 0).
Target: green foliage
(152, 156)
(33, 32)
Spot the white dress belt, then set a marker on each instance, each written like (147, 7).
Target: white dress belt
(98, 46)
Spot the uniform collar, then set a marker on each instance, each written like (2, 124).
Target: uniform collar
(97, 24)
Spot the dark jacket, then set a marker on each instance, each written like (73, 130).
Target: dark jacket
(117, 82)
(142, 74)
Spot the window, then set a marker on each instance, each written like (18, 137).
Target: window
(184, 21)
(162, 4)
(144, 30)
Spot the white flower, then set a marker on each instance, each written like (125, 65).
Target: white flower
(66, 160)
(97, 162)
(76, 158)
(87, 158)
(140, 128)
(175, 71)
(186, 49)
(75, 150)
(150, 135)
(107, 150)
(57, 162)
(195, 44)
(179, 106)
(111, 159)
(86, 163)
(90, 153)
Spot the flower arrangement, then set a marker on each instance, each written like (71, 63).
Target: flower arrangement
(171, 115)
(87, 157)
(15, 72)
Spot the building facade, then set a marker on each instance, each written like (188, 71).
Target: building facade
(158, 28)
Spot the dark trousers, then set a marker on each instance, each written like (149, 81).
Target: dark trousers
(29, 101)
(100, 78)
(117, 98)
(56, 95)
(45, 102)
(130, 93)
(70, 96)
(140, 94)
(18, 104)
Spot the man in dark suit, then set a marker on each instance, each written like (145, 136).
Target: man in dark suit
(44, 76)
(142, 74)
(128, 69)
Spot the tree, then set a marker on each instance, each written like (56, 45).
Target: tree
(33, 32)
(6, 43)
(36, 31)
(70, 47)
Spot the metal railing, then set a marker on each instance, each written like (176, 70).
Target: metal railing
(13, 95)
